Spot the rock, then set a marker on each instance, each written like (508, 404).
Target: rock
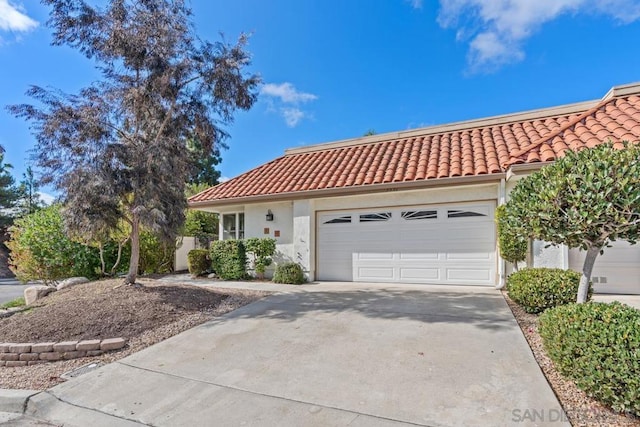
(72, 281)
(212, 276)
(34, 293)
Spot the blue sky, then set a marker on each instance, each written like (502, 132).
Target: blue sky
(333, 69)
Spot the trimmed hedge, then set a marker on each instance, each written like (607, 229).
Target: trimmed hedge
(598, 346)
(229, 259)
(198, 261)
(537, 289)
(289, 273)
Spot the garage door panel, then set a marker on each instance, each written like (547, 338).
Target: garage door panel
(410, 244)
(421, 274)
(616, 271)
(480, 275)
(371, 273)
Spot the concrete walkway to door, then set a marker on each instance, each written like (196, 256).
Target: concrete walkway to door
(325, 355)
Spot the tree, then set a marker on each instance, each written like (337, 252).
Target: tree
(200, 224)
(204, 170)
(118, 149)
(29, 200)
(42, 250)
(511, 240)
(8, 193)
(586, 200)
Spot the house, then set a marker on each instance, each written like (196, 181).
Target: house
(418, 206)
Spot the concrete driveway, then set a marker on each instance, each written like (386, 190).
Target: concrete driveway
(325, 355)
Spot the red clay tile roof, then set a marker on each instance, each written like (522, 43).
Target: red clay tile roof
(479, 147)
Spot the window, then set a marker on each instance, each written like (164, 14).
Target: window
(233, 226)
(463, 214)
(383, 216)
(416, 215)
(339, 220)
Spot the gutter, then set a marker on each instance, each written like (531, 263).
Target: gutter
(354, 190)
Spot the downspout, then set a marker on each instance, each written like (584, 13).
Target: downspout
(502, 264)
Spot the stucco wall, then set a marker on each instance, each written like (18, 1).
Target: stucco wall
(256, 225)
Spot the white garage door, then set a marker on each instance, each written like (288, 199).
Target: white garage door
(616, 271)
(450, 244)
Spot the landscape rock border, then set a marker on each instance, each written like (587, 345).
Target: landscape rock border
(24, 354)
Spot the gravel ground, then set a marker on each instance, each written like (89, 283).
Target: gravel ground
(581, 409)
(43, 376)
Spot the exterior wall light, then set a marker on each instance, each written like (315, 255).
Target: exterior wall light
(269, 215)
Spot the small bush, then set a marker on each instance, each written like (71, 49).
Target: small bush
(512, 240)
(537, 289)
(261, 250)
(598, 346)
(289, 273)
(198, 261)
(229, 259)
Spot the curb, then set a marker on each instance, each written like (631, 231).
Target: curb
(15, 401)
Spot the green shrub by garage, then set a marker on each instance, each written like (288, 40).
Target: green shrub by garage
(198, 261)
(289, 273)
(537, 289)
(598, 346)
(229, 259)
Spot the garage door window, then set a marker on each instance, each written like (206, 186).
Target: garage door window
(463, 214)
(418, 215)
(345, 219)
(375, 217)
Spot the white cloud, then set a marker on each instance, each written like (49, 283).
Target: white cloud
(285, 99)
(223, 179)
(13, 18)
(287, 93)
(292, 116)
(46, 198)
(496, 29)
(416, 4)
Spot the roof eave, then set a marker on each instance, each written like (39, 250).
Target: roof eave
(353, 190)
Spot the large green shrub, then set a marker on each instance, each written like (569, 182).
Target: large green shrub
(41, 250)
(261, 250)
(198, 261)
(537, 289)
(512, 240)
(598, 346)
(289, 273)
(583, 200)
(156, 255)
(229, 259)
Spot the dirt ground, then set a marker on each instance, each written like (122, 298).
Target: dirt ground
(102, 309)
(581, 409)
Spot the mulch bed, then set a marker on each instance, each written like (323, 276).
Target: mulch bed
(143, 315)
(581, 409)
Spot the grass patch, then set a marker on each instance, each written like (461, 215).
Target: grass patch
(18, 302)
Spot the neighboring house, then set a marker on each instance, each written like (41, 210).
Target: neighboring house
(418, 206)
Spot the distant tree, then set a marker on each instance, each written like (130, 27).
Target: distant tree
(585, 200)
(29, 200)
(118, 149)
(204, 164)
(8, 193)
(200, 224)
(370, 132)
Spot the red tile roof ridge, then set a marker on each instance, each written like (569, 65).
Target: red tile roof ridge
(546, 138)
(499, 120)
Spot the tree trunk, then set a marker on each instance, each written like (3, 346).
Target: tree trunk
(135, 251)
(587, 268)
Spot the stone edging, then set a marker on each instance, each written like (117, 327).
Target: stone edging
(12, 354)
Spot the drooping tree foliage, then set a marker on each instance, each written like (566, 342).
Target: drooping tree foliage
(511, 238)
(117, 150)
(585, 200)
